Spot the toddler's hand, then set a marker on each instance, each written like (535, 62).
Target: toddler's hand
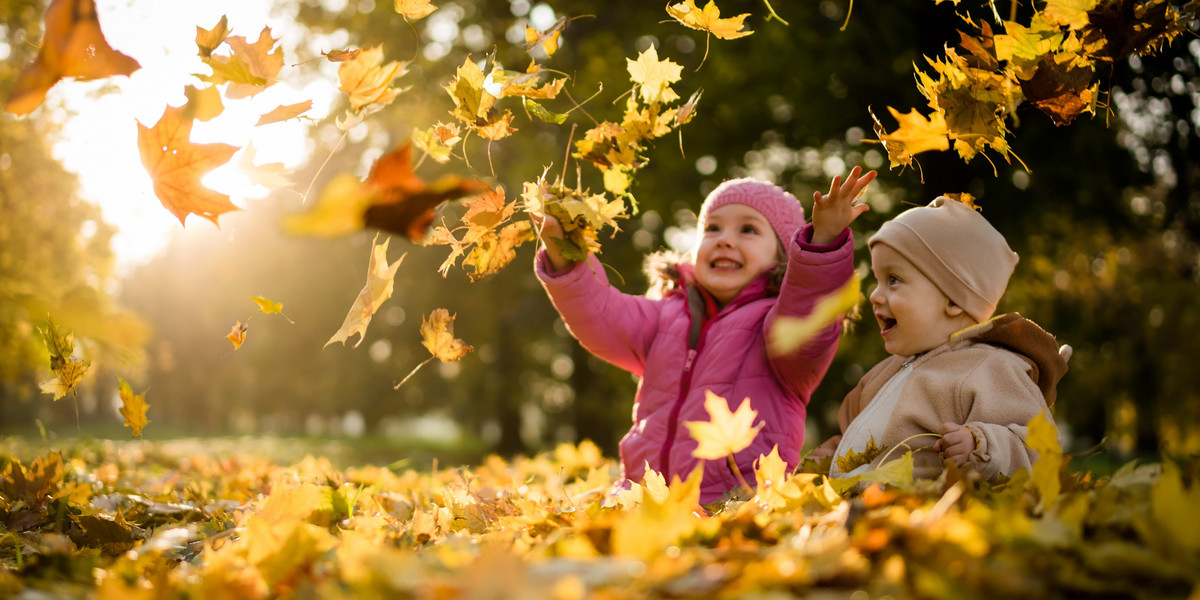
(833, 212)
(549, 228)
(957, 442)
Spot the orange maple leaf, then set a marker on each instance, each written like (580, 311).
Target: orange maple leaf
(237, 334)
(176, 165)
(73, 46)
(402, 202)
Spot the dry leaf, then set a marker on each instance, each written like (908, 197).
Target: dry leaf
(72, 46)
(68, 370)
(789, 333)
(284, 112)
(725, 432)
(380, 283)
(368, 81)
(176, 166)
(414, 9)
(207, 40)
(437, 335)
(709, 19)
(133, 407)
(654, 77)
(237, 335)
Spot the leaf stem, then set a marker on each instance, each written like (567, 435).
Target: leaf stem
(904, 442)
(308, 189)
(738, 474)
(776, 16)
(849, 9)
(413, 372)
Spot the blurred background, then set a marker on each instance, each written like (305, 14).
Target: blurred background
(1106, 219)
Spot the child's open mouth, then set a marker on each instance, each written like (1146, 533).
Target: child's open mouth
(725, 264)
(885, 323)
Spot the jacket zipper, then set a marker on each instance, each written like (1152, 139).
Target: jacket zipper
(685, 386)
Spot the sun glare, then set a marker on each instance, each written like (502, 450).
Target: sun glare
(98, 138)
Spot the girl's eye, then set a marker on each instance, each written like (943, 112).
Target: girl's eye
(893, 280)
(710, 228)
(749, 229)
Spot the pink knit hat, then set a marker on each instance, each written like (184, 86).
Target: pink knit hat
(957, 249)
(780, 208)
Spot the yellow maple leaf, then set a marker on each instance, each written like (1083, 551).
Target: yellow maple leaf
(1043, 439)
(207, 40)
(495, 251)
(284, 112)
(414, 9)
(68, 370)
(368, 81)
(133, 407)
(654, 77)
(660, 520)
(471, 101)
(270, 307)
(176, 166)
(437, 335)
(789, 333)
(725, 432)
(916, 134)
(263, 63)
(1168, 500)
(437, 141)
(237, 334)
(709, 19)
(203, 104)
(1071, 13)
(547, 39)
(380, 283)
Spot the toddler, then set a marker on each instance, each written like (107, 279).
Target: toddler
(755, 260)
(954, 370)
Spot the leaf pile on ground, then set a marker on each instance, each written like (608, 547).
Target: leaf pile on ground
(133, 520)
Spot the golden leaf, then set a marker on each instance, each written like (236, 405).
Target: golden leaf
(368, 81)
(176, 166)
(284, 112)
(237, 335)
(414, 9)
(207, 40)
(789, 333)
(380, 283)
(437, 335)
(1043, 439)
(202, 104)
(263, 64)
(654, 77)
(709, 19)
(725, 432)
(133, 407)
(68, 370)
(916, 134)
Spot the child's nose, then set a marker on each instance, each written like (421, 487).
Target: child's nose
(876, 296)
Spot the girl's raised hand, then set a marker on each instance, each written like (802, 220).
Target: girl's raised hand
(833, 212)
(549, 228)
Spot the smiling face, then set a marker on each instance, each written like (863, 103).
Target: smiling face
(737, 244)
(913, 314)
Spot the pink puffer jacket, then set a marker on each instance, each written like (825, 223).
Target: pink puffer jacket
(650, 338)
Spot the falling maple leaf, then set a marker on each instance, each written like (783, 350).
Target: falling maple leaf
(208, 40)
(915, 134)
(437, 141)
(368, 81)
(237, 335)
(133, 407)
(176, 165)
(402, 202)
(654, 77)
(68, 370)
(380, 283)
(341, 55)
(270, 307)
(437, 335)
(414, 9)
(789, 333)
(203, 104)
(72, 47)
(496, 250)
(709, 19)
(725, 432)
(284, 112)
(262, 62)
(548, 39)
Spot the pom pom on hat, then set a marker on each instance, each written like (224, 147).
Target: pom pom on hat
(782, 210)
(957, 249)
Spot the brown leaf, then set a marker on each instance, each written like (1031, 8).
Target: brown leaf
(73, 46)
(402, 202)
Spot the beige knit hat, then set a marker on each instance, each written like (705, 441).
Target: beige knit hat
(780, 208)
(957, 249)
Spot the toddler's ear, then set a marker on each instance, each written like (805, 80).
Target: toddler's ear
(952, 309)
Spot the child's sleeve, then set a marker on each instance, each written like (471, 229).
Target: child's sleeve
(813, 272)
(615, 326)
(1002, 398)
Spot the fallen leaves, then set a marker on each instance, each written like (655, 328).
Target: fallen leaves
(73, 46)
(176, 165)
(251, 527)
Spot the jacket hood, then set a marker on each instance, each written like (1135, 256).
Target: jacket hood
(1025, 338)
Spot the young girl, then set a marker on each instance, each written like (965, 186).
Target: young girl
(756, 260)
